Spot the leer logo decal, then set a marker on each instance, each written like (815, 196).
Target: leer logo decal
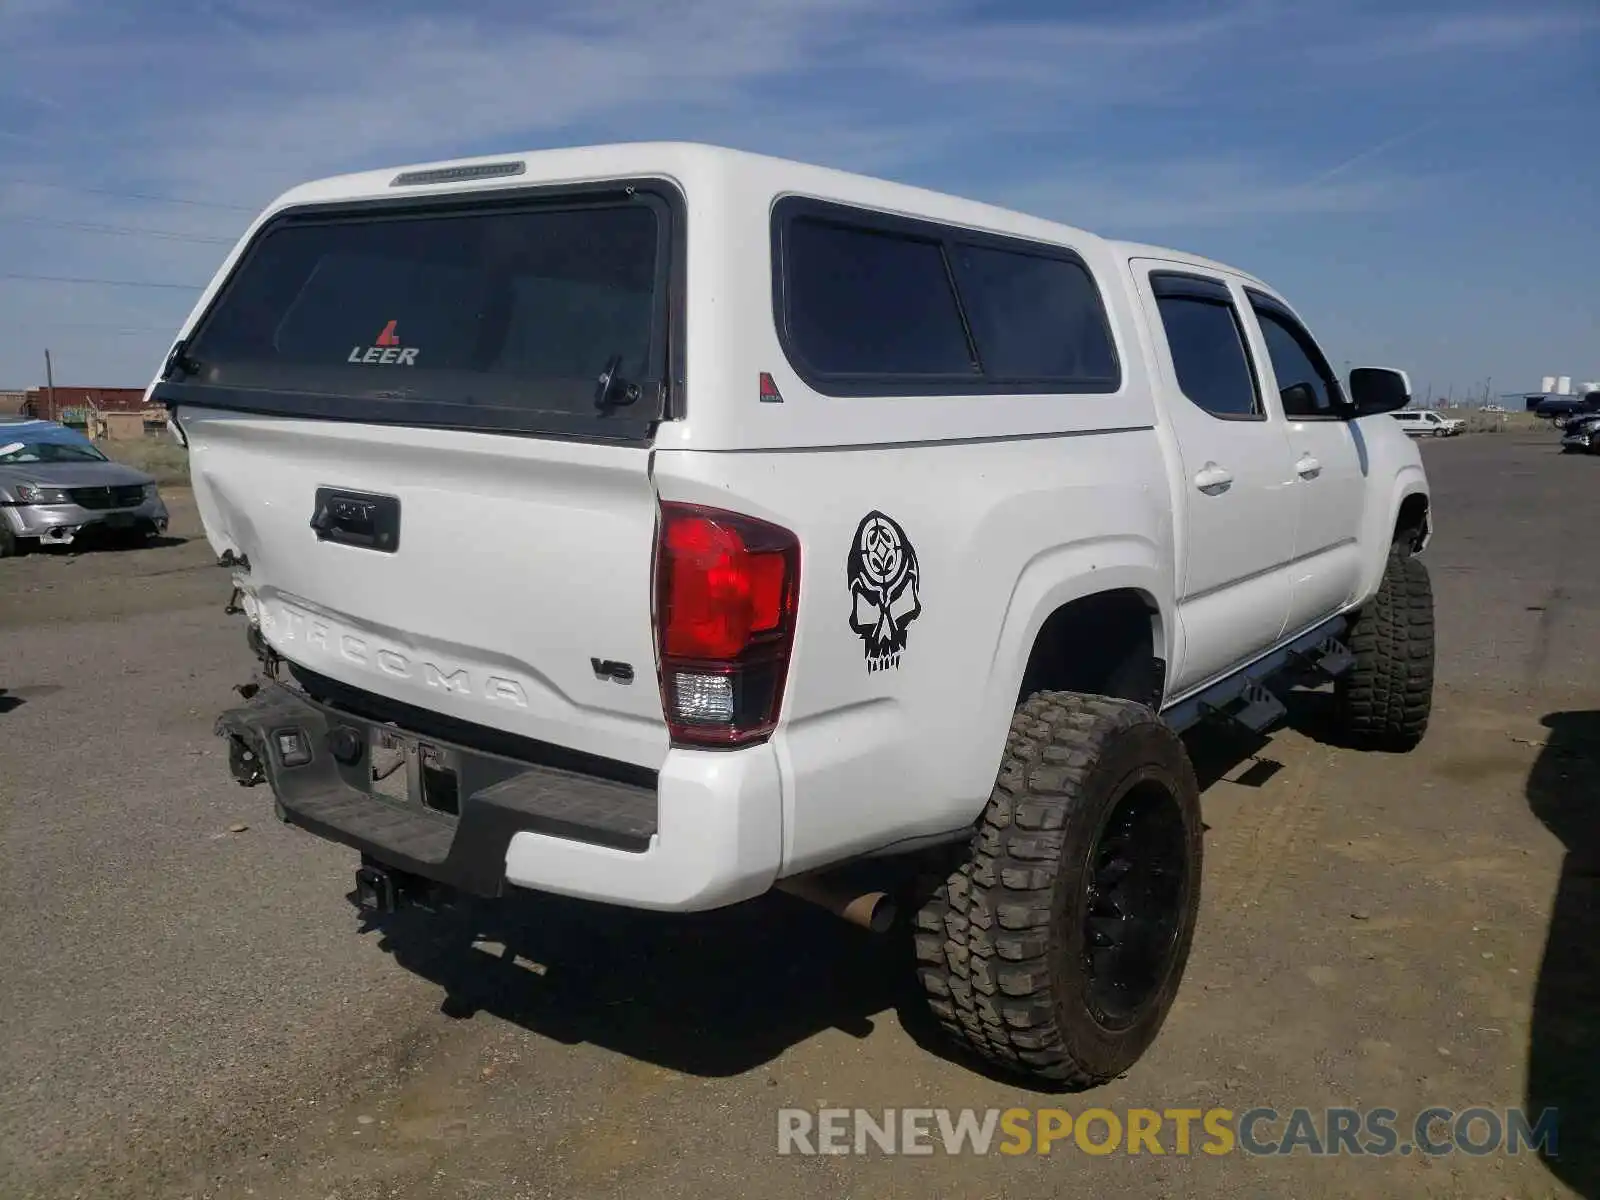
(885, 588)
(386, 350)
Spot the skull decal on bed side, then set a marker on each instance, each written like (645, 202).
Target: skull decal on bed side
(885, 588)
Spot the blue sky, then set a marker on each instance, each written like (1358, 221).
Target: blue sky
(1421, 179)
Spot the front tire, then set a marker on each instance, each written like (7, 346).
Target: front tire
(1385, 700)
(9, 545)
(1056, 948)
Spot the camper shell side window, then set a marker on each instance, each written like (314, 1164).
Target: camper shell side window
(868, 304)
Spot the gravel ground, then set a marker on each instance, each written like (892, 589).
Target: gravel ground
(191, 1007)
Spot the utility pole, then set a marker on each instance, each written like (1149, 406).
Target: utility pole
(49, 386)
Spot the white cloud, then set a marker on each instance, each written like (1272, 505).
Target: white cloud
(1073, 56)
(230, 101)
(21, 19)
(1501, 31)
(320, 98)
(254, 97)
(1138, 201)
(1470, 33)
(285, 96)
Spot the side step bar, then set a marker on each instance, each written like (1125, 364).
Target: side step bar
(1245, 698)
(1255, 708)
(1330, 658)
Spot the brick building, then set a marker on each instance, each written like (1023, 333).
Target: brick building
(99, 412)
(75, 405)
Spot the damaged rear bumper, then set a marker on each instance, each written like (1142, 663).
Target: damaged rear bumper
(704, 832)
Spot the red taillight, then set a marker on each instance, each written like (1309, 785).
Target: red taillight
(726, 590)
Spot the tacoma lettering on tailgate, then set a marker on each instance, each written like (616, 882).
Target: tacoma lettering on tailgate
(288, 625)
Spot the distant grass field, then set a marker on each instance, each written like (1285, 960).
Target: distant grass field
(162, 457)
(1479, 421)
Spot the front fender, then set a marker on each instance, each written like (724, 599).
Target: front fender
(1377, 534)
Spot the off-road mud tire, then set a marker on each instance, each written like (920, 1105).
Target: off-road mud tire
(1383, 702)
(1001, 943)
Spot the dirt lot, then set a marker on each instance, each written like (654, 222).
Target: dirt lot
(190, 1008)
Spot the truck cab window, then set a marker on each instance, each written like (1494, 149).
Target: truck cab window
(1306, 384)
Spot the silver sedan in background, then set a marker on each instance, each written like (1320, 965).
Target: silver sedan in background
(57, 487)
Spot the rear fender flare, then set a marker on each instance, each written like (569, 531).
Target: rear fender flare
(1053, 578)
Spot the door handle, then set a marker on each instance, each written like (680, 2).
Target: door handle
(1212, 479)
(1308, 467)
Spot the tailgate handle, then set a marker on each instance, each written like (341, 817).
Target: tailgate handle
(357, 519)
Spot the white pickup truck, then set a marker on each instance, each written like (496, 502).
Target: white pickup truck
(660, 525)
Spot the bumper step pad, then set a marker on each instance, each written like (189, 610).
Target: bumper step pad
(331, 795)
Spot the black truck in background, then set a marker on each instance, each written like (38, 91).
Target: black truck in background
(1561, 407)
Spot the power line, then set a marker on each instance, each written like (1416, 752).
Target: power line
(122, 230)
(62, 187)
(110, 327)
(192, 287)
(99, 333)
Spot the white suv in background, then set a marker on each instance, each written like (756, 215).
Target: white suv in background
(1428, 424)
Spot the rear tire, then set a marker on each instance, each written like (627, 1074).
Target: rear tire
(1385, 700)
(1056, 948)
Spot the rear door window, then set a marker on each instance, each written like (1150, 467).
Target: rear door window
(517, 309)
(1207, 344)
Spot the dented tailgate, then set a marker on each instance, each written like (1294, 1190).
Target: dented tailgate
(425, 425)
(516, 589)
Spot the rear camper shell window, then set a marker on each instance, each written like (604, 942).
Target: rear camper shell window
(868, 304)
(494, 312)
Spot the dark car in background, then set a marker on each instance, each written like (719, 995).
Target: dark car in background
(1581, 434)
(1561, 407)
(57, 487)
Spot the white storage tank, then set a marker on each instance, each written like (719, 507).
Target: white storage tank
(1547, 384)
(1564, 385)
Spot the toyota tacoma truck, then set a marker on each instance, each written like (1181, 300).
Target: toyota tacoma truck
(662, 525)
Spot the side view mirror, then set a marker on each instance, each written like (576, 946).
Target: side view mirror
(1299, 398)
(1378, 390)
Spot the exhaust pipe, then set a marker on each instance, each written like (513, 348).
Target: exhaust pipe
(874, 911)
